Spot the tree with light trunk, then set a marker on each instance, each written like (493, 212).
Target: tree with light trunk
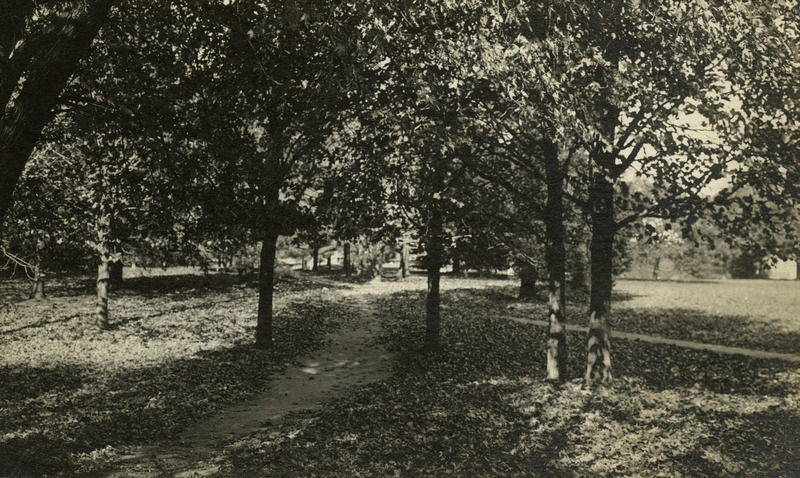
(99, 151)
(96, 207)
(584, 97)
(665, 109)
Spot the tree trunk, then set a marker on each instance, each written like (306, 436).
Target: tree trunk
(103, 275)
(598, 366)
(527, 281)
(330, 262)
(456, 265)
(405, 255)
(37, 292)
(581, 278)
(346, 265)
(556, 258)
(433, 321)
(434, 249)
(25, 110)
(115, 273)
(315, 257)
(266, 280)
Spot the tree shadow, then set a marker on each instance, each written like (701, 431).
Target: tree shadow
(507, 294)
(23, 382)
(52, 414)
(777, 447)
(698, 326)
(198, 283)
(26, 393)
(135, 407)
(770, 447)
(41, 323)
(668, 367)
(35, 454)
(679, 281)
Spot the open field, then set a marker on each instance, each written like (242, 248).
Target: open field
(758, 314)
(767, 301)
(74, 398)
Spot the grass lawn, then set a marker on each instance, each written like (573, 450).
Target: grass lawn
(755, 314)
(74, 397)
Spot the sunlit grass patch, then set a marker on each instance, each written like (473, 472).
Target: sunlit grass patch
(755, 314)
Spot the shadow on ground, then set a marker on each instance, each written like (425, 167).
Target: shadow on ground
(703, 327)
(50, 416)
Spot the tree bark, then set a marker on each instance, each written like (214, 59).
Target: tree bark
(527, 281)
(101, 312)
(581, 278)
(315, 258)
(24, 116)
(346, 265)
(115, 273)
(405, 255)
(598, 366)
(266, 280)
(434, 249)
(456, 265)
(37, 292)
(556, 258)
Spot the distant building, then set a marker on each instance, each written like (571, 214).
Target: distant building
(782, 270)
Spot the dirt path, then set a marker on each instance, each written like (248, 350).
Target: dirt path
(352, 358)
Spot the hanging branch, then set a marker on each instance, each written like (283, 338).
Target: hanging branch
(16, 261)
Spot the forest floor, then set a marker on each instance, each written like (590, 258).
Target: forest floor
(175, 389)
(350, 358)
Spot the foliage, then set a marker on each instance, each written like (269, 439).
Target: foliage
(668, 250)
(41, 46)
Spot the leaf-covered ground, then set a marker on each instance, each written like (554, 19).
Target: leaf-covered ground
(179, 349)
(73, 397)
(482, 409)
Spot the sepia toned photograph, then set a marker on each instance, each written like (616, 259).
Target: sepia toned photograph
(411, 238)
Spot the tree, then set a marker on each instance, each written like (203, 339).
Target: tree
(409, 120)
(271, 102)
(658, 68)
(757, 207)
(99, 154)
(616, 87)
(41, 46)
